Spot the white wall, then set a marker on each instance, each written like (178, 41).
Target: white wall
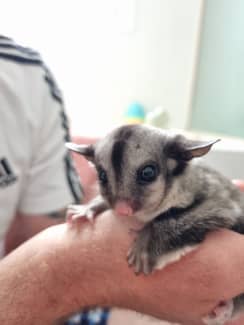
(108, 53)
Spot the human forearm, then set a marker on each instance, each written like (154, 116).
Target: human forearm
(61, 270)
(55, 273)
(23, 227)
(30, 291)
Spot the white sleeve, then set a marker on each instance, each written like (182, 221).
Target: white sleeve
(51, 182)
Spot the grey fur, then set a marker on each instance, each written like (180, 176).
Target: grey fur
(185, 202)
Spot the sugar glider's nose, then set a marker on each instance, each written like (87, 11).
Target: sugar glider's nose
(123, 208)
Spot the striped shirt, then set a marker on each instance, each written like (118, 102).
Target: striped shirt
(37, 174)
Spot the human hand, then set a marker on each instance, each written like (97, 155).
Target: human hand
(196, 284)
(215, 256)
(189, 289)
(71, 268)
(236, 277)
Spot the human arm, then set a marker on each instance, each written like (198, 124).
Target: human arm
(24, 226)
(68, 269)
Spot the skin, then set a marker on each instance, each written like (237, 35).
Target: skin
(24, 227)
(91, 276)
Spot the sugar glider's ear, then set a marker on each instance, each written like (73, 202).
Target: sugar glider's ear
(180, 148)
(86, 150)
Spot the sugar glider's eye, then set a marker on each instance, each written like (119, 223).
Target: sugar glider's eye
(147, 174)
(102, 176)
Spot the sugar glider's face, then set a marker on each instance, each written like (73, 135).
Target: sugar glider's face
(137, 166)
(132, 171)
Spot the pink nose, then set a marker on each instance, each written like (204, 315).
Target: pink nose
(123, 208)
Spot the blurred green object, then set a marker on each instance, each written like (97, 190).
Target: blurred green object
(158, 117)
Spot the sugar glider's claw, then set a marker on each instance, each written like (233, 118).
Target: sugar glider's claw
(78, 213)
(139, 260)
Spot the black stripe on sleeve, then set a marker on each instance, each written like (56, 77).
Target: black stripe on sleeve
(16, 49)
(10, 50)
(2, 37)
(27, 56)
(71, 173)
(20, 59)
(73, 179)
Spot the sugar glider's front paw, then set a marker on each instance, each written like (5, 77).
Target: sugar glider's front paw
(221, 314)
(76, 213)
(139, 256)
(140, 260)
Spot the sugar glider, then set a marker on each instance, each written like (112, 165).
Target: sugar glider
(153, 176)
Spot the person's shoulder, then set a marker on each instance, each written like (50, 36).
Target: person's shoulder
(16, 60)
(13, 52)
(20, 63)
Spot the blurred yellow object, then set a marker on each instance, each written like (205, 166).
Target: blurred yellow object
(134, 120)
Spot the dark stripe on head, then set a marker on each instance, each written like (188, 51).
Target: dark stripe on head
(124, 132)
(121, 137)
(117, 157)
